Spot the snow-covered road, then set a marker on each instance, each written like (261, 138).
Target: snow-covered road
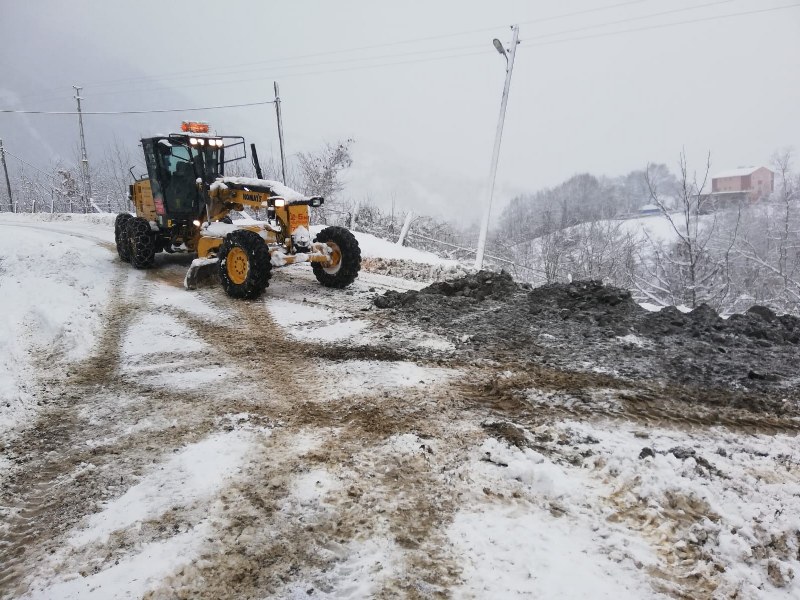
(160, 443)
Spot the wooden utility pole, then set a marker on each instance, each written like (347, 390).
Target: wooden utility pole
(8, 181)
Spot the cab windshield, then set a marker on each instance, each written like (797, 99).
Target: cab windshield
(208, 163)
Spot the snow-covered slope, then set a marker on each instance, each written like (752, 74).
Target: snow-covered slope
(375, 247)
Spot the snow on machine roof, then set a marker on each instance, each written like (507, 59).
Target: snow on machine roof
(275, 188)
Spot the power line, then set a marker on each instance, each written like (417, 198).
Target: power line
(629, 19)
(374, 46)
(581, 12)
(198, 74)
(663, 25)
(34, 167)
(304, 74)
(57, 112)
(526, 42)
(130, 112)
(180, 74)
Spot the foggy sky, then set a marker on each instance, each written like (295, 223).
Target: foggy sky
(424, 130)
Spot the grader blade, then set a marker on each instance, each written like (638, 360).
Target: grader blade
(201, 271)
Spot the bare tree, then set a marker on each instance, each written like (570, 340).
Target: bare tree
(771, 246)
(601, 250)
(687, 270)
(320, 174)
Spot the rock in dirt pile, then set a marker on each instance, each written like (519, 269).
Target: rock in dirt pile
(588, 326)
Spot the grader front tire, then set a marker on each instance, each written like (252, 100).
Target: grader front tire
(245, 264)
(123, 247)
(142, 242)
(346, 250)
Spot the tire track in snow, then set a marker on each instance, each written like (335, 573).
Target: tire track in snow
(355, 425)
(30, 497)
(49, 490)
(51, 502)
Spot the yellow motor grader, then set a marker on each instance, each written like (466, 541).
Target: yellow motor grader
(184, 204)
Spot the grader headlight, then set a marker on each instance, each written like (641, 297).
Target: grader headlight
(280, 202)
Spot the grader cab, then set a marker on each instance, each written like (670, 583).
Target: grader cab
(184, 204)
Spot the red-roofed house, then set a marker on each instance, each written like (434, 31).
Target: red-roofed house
(745, 182)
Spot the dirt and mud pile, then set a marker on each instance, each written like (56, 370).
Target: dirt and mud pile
(474, 286)
(588, 326)
(758, 323)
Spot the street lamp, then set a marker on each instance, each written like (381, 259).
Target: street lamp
(509, 56)
(499, 47)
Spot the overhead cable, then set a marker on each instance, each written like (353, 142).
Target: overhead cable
(130, 112)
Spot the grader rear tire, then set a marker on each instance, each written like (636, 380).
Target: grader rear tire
(346, 269)
(245, 264)
(142, 242)
(123, 248)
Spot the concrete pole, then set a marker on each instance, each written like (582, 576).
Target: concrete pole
(406, 226)
(8, 181)
(280, 129)
(496, 152)
(87, 182)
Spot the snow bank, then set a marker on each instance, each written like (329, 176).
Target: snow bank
(104, 219)
(376, 247)
(54, 288)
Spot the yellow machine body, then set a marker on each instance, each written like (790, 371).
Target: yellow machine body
(289, 216)
(184, 204)
(142, 197)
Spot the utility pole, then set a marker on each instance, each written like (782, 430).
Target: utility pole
(280, 129)
(406, 226)
(87, 183)
(509, 55)
(8, 182)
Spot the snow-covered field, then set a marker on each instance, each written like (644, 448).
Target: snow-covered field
(160, 443)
